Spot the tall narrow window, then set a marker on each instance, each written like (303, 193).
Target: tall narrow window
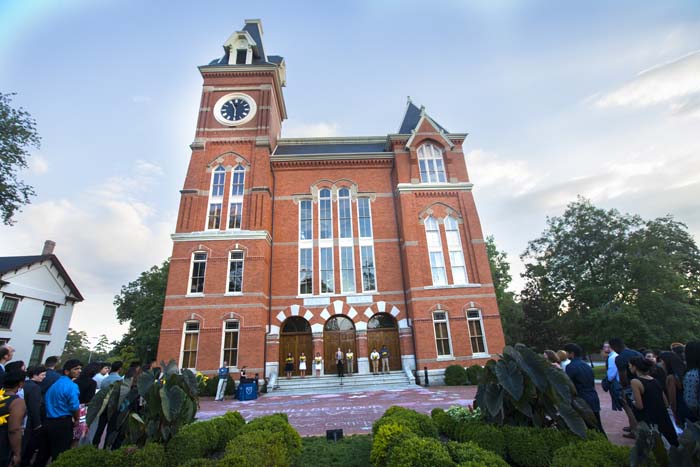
(190, 345)
(454, 246)
(476, 331)
(199, 266)
(7, 312)
(37, 355)
(369, 284)
(325, 214)
(47, 318)
(230, 350)
(347, 269)
(364, 217)
(432, 168)
(327, 276)
(236, 201)
(305, 220)
(216, 197)
(344, 213)
(437, 263)
(306, 271)
(235, 272)
(442, 334)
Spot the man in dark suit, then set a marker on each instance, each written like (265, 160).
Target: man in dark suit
(34, 434)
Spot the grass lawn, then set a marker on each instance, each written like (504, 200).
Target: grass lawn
(599, 372)
(350, 451)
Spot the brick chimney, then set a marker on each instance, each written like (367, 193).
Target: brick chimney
(49, 245)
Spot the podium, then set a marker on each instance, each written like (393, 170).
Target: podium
(247, 391)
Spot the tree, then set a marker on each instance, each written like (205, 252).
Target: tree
(596, 273)
(101, 350)
(510, 310)
(17, 134)
(77, 346)
(140, 303)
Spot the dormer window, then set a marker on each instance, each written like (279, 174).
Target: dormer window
(241, 55)
(432, 167)
(241, 48)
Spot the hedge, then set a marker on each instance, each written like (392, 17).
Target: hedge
(474, 373)
(443, 422)
(386, 437)
(209, 388)
(535, 447)
(600, 453)
(151, 455)
(414, 451)
(276, 423)
(259, 448)
(486, 436)
(202, 439)
(455, 375)
(471, 455)
(418, 423)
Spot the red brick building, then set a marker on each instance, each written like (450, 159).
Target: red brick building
(308, 244)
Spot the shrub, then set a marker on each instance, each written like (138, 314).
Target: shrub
(455, 375)
(151, 455)
(419, 452)
(465, 414)
(258, 448)
(203, 438)
(201, 462)
(418, 423)
(351, 451)
(471, 455)
(473, 374)
(600, 453)
(207, 387)
(276, 423)
(486, 436)
(87, 456)
(444, 423)
(387, 436)
(535, 447)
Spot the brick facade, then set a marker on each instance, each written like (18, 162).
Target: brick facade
(280, 175)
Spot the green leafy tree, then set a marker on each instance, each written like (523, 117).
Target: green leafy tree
(101, 350)
(77, 346)
(140, 303)
(511, 311)
(17, 134)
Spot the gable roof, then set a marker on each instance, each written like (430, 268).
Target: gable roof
(13, 263)
(412, 117)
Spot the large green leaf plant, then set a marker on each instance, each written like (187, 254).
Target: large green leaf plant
(522, 388)
(151, 409)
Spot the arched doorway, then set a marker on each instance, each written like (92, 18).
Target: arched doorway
(339, 331)
(295, 338)
(383, 330)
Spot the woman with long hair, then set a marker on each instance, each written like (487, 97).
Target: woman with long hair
(675, 370)
(552, 358)
(650, 403)
(691, 380)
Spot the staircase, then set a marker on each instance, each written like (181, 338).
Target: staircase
(330, 384)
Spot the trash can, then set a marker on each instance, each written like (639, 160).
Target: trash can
(247, 391)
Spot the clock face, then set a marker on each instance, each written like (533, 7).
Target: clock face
(235, 109)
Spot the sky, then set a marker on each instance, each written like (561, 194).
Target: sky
(599, 99)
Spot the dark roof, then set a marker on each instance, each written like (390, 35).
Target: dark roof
(259, 57)
(254, 31)
(11, 263)
(411, 119)
(328, 148)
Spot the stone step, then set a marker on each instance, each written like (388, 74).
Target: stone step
(331, 384)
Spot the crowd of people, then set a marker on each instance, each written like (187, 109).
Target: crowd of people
(660, 388)
(43, 408)
(344, 362)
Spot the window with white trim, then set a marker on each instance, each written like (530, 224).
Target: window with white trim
(325, 214)
(190, 344)
(344, 214)
(326, 267)
(437, 262)
(306, 271)
(454, 247)
(37, 355)
(306, 255)
(216, 197)
(364, 217)
(369, 282)
(199, 266)
(235, 272)
(230, 348)
(306, 219)
(476, 331)
(432, 167)
(364, 221)
(442, 334)
(47, 317)
(7, 312)
(235, 214)
(347, 269)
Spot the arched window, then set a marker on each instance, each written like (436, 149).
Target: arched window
(344, 213)
(325, 214)
(339, 323)
(437, 262)
(454, 246)
(216, 197)
(197, 271)
(296, 324)
(229, 351)
(235, 214)
(382, 321)
(432, 168)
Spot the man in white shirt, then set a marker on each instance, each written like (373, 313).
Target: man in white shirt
(102, 374)
(613, 376)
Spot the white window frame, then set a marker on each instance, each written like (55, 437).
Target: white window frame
(228, 271)
(14, 312)
(349, 200)
(434, 161)
(325, 243)
(53, 316)
(185, 332)
(236, 198)
(225, 331)
(320, 202)
(190, 277)
(435, 249)
(449, 356)
(321, 270)
(216, 199)
(346, 242)
(366, 242)
(352, 262)
(480, 319)
(305, 244)
(455, 248)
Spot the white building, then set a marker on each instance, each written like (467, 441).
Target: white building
(36, 304)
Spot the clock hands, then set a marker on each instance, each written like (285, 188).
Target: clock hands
(233, 104)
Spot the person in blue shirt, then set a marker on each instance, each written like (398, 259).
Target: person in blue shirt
(581, 374)
(63, 408)
(51, 374)
(223, 381)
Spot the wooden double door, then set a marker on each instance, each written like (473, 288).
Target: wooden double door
(376, 338)
(331, 341)
(296, 343)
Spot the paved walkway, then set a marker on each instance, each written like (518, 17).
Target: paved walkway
(354, 412)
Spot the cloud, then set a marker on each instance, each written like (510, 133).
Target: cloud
(38, 164)
(294, 129)
(675, 84)
(489, 170)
